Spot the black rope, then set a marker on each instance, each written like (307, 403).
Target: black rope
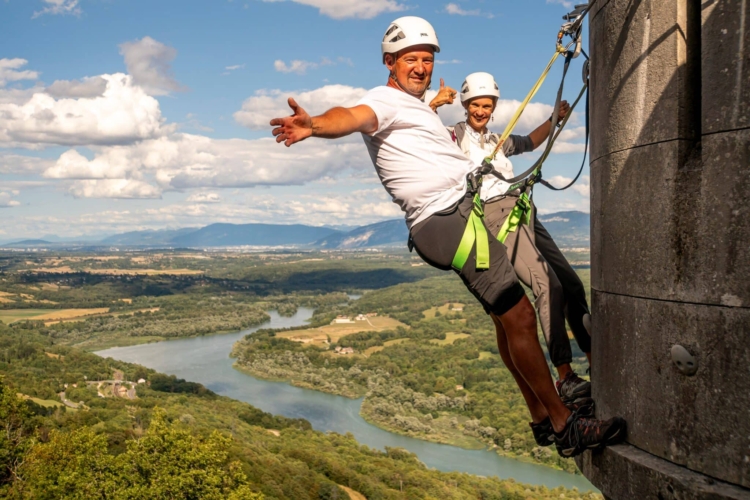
(585, 153)
(550, 139)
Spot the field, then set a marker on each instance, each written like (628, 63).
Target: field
(9, 316)
(336, 331)
(47, 403)
(378, 348)
(103, 313)
(450, 337)
(452, 307)
(120, 272)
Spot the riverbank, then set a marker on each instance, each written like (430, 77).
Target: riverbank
(98, 341)
(393, 407)
(205, 360)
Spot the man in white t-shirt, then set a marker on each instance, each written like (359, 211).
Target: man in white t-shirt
(426, 175)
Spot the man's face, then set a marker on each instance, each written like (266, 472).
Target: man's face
(412, 68)
(480, 110)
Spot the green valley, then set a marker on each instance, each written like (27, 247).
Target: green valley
(427, 367)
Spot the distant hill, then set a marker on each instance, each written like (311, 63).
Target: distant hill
(27, 243)
(569, 229)
(147, 238)
(252, 234)
(390, 232)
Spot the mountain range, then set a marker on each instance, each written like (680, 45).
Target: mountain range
(570, 229)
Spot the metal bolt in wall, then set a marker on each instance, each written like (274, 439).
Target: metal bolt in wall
(683, 360)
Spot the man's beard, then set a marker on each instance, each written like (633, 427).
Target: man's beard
(416, 90)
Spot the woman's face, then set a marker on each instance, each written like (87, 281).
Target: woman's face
(480, 111)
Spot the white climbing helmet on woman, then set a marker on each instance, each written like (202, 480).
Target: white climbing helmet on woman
(407, 32)
(479, 85)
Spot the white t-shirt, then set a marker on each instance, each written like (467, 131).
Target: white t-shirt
(414, 155)
(477, 148)
(491, 185)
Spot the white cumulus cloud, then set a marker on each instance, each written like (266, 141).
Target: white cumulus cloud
(565, 3)
(10, 71)
(124, 113)
(23, 165)
(114, 188)
(296, 66)
(455, 10)
(301, 67)
(341, 9)
(55, 7)
(259, 109)
(7, 201)
(204, 198)
(184, 161)
(86, 88)
(582, 186)
(149, 62)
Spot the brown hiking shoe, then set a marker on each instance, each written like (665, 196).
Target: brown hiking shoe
(544, 434)
(573, 387)
(582, 433)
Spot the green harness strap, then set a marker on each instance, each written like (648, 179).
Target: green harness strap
(519, 215)
(475, 232)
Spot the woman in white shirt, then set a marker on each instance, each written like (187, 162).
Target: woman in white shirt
(537, 260)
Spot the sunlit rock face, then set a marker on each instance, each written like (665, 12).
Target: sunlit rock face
(670, 226)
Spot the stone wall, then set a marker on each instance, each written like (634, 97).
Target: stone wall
(670, 223)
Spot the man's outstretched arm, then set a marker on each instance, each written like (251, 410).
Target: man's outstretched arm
(334, 123)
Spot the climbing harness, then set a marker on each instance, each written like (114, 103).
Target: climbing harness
(475, 232)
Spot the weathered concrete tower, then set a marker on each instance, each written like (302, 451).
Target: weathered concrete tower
(670, 168)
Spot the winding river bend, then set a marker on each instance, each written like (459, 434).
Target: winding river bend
(206, 360)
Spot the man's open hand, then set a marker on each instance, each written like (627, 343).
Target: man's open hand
(295, 128)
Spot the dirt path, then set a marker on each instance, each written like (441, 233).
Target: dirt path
(354, 495)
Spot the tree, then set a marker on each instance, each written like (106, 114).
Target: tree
(166, 463)
(15, 434)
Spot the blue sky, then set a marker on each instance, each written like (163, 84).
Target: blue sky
(118, 115)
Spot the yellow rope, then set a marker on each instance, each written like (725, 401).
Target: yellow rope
(513, 121)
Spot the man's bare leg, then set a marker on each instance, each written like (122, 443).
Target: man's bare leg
(536, 408)
(519, 324)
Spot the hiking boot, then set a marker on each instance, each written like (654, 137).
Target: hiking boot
(573, 387)
(583, 407)
(544, 434)
(582, 433)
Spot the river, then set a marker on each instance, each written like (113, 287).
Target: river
(206, 360)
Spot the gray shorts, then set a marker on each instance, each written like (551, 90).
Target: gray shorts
(436, 240)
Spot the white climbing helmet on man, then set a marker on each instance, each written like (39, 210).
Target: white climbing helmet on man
(407, 32)
(479, 85)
